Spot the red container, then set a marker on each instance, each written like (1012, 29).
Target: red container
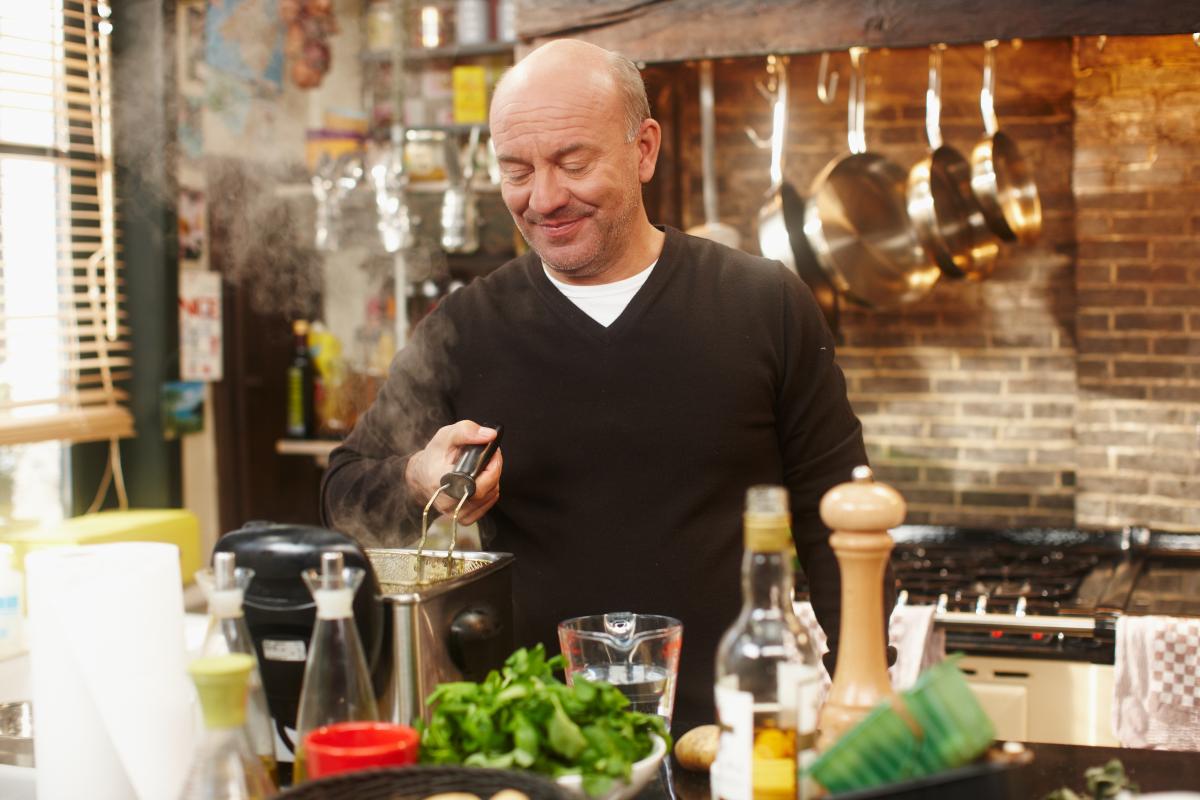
(350, 746)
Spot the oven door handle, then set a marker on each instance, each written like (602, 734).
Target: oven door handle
(961, 620)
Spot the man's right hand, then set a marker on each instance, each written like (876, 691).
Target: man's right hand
(426, 468)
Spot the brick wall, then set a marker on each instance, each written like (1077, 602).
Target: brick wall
(1137, 184)
(988, 402)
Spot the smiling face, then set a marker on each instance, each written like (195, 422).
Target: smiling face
(570, 177)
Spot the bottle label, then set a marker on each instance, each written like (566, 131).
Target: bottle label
(295, 403)
(731, 772)
(799, 697)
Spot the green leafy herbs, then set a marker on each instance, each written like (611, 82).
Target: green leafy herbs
(1102, 783)
(523, 717)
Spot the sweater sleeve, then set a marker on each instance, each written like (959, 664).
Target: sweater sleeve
(363, 492)
(822, 442)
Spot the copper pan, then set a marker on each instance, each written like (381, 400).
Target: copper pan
(857, 222)
(947, 217)
(1000, 178)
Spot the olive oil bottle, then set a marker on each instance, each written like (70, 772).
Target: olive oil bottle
(768, 674)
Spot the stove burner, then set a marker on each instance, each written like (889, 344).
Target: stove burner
(991, 579)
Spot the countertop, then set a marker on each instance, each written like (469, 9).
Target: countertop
(1053, 766)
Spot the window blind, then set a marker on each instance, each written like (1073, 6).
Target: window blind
(64, 344)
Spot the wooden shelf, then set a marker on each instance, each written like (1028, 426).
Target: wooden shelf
(447, 53)
(317, 449)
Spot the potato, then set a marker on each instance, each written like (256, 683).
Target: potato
(697, 748)
(453, 796)
(509, 794)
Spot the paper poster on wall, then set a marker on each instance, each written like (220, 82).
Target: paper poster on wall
(192, 224)
(245, 38)
(182, 408)
(200, 326)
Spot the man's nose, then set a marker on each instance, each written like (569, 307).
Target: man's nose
(548, 194)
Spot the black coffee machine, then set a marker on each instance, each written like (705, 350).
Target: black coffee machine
(280, 611)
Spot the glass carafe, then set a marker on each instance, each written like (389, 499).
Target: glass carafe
(225, 766)
(337, 685)
(224, 585)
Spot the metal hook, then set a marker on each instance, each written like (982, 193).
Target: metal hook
(770, 93)
(826, 83)
(1196, 39)
(1101, 40)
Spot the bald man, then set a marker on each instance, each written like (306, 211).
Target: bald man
(645, 379)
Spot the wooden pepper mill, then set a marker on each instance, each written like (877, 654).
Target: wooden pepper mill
(859, 513)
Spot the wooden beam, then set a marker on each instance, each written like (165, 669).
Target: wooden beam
(677, 30)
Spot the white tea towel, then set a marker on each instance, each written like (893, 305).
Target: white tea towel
(910, 630)
(1156, 696)
(919, 643)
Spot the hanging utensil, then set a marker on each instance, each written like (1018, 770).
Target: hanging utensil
(460, 211)
(712, 228)
(1000, 178)
(390, 180)
(781, 219)
(949, 221)
(856, 220)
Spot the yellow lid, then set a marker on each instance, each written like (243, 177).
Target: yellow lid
(222, 681)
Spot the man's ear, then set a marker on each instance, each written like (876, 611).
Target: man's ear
(648, 141)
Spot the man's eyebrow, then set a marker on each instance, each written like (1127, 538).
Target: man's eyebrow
(569, 149)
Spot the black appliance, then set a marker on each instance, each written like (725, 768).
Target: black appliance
(280, 611)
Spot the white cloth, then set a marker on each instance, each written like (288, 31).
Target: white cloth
(603, 302)
(1156, 691)
(919, 643)
(910, 630)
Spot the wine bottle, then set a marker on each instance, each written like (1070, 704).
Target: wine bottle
(301, 416)
(768, 674)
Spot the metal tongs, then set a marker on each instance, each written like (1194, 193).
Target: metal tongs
(459, 483)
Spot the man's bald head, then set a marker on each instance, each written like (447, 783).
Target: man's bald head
(574, 62)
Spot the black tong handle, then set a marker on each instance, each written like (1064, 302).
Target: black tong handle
(460, 481)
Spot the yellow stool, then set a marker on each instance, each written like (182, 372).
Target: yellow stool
(170, 525)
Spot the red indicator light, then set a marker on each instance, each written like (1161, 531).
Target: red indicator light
(997, 634)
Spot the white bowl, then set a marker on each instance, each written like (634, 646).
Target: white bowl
(641, 774)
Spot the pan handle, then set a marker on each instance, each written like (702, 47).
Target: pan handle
(856, 108)
(777, 68)
(987, 94)
(933, 97)
(826, 82)
(708, 137)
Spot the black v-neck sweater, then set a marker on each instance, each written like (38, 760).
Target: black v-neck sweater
(627, 449)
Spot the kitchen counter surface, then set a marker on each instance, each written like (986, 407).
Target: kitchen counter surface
(1054, 766)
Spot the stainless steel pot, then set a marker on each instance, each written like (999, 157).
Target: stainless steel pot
(857, 222)
(781, 219)
(452, 620)
(1000, 178)
(712, 228)
(948, 219)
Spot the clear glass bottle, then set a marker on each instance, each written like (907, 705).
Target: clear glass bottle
(337, 685)
(225, 766)
(768, 673)
(224, 584)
